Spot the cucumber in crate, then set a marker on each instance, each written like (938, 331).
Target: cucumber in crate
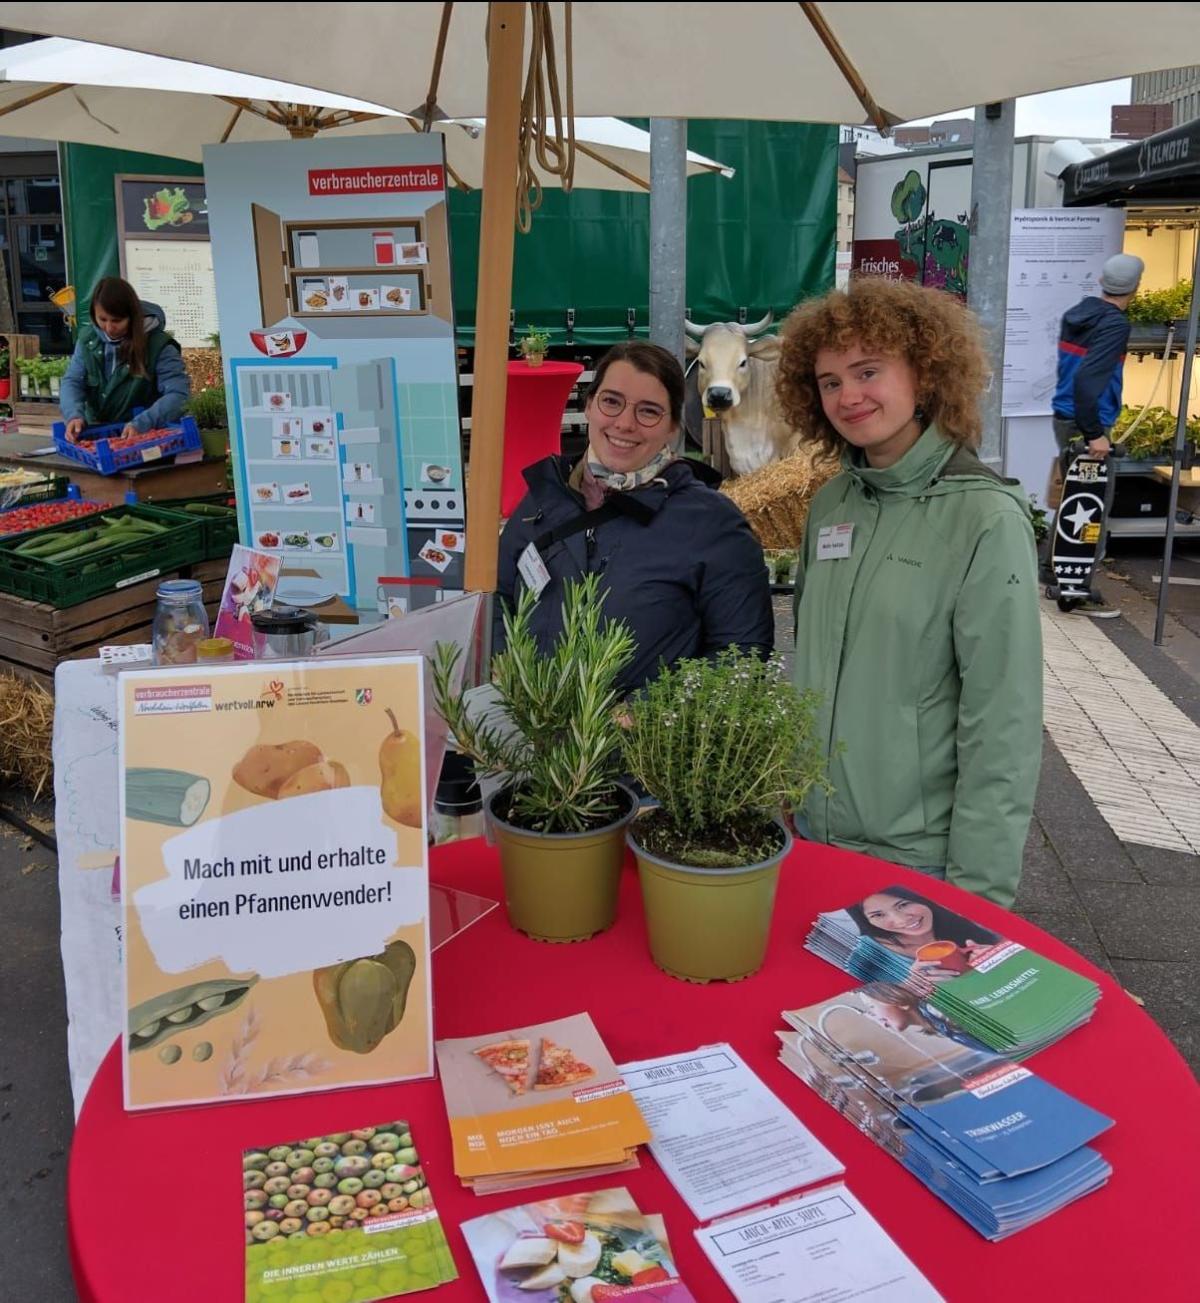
(69, 564)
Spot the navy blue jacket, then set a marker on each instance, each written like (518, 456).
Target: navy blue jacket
(1091, 363)
(686, 574)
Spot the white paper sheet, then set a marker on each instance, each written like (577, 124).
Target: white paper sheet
(823, 1246)
(723, 1139)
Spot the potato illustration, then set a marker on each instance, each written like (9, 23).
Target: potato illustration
(264, 769)
(321, 777)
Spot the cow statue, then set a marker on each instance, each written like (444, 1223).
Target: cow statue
(734, 374)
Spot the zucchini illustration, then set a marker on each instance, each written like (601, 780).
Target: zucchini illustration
(165, 796)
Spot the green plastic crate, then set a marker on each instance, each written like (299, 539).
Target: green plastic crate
(72, 582)
(220, 535)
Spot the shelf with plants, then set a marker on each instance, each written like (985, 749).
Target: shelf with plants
(1153, 312)
(41, 377)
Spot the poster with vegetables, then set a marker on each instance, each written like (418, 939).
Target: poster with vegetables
(275, 882)
(346, 1217)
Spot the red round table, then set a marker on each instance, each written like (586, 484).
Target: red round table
(533, 410)
(1131, 1241)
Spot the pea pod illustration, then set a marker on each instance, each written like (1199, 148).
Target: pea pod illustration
(364, 999)
(175, 1011)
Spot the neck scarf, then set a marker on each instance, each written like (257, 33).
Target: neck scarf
(595, 481)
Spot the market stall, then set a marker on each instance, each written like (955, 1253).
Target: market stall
(1157, 181)
(491, 976)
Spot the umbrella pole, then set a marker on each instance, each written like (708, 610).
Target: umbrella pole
(506, 38)
(1164, 584)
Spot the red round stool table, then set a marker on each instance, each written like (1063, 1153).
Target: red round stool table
(533, 410)
(154, 1211)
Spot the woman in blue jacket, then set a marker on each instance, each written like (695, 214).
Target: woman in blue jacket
(125, 360)
(677, 560)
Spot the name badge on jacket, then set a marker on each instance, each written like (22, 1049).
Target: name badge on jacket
(833, 542)
(533, 570)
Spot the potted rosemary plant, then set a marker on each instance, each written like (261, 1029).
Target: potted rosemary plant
(560, 816)
(724, 746)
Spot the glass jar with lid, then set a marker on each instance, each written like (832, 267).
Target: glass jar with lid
(180, 622)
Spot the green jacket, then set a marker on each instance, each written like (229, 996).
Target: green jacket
(925, 644)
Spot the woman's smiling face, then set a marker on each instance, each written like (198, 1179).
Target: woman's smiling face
(906, 918)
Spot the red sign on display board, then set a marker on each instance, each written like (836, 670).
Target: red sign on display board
(333, 182)
(882, 258)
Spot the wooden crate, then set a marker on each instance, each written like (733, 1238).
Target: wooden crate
(35, 637)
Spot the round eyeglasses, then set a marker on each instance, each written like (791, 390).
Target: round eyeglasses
(647, 415)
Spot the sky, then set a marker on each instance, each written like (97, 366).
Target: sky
(1080, 111)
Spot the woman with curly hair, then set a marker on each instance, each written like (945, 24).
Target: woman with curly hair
(917, 597)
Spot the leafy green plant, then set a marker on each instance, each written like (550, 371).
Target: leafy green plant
(723, 745)
(1150, 433)
(208, 408)
(1037, 514)
(534, 342)
(5, 363)
(39, 370)
(1153, 307)
(562, 760)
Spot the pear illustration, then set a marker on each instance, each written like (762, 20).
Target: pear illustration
(400, 773)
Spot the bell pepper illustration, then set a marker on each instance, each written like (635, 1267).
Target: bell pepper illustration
(363, 1000)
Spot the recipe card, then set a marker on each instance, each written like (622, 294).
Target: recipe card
(721, 1137)
(823, 1247)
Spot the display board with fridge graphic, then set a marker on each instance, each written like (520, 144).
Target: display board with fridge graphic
(333, 282)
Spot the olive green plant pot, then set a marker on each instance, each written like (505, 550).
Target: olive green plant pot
(215, 443)
(708, 925)
(561, 886)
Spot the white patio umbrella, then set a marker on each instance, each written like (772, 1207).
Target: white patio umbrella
(807, 62)
(58, 89)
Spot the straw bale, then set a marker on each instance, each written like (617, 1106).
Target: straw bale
(26, 733)
(776, 497)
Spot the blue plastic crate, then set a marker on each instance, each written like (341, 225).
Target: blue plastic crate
(100, 456)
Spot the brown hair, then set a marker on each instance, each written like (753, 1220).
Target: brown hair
(932, 331)
(119, 299)
(652, 360)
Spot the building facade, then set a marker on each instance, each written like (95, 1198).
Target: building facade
(1178, 87)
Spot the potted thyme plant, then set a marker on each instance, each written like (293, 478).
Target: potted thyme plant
(725, 746)
(560, 816)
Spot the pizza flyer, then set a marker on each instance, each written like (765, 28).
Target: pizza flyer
(537, 1102)
(275, 885)
(579, 1248)
(347, 1216)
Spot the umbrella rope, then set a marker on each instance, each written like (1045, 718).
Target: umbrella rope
(552, 154)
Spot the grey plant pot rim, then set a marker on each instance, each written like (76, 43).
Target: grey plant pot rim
(788, 841)
(563, 836)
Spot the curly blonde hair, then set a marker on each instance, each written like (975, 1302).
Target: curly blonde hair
(932, 331)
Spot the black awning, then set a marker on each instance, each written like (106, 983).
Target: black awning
(1165, 166)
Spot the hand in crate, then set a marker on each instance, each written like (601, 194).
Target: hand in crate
(110, 448)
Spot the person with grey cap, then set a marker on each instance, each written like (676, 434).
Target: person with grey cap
(1091, 358)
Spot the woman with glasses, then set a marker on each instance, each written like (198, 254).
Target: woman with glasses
(677, 559)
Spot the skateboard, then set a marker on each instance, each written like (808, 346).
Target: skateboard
(1081, 528)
